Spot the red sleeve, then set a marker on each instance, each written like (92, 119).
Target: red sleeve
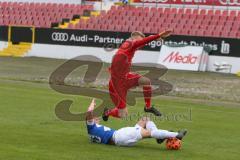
(144, 41)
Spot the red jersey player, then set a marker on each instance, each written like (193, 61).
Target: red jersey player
(122, 79)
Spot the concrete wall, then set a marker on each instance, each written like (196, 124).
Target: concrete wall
(68, 52)
(3, 45)
(233, 61)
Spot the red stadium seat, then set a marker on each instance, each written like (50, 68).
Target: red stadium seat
(210, 12)
(167, 11)
(233, 34)
(225, 13)
(217, 12)
(25, 12)
(180, 11)
(173, 11)
(186, 21)
(203, 12)
(160, 10)
(216, 17)
(188, 11)
(233, 13)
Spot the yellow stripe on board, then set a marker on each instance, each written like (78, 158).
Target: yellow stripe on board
(9, 33)
(238, 73)
(33, 34)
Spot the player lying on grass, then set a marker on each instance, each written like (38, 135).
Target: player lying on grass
(122, 79)
(128, 136)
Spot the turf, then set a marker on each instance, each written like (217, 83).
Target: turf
(30, 130)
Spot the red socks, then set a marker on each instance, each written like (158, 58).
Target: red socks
(113, 112)
(147, 92)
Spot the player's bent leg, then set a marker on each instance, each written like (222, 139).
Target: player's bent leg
(144, 81)
(118, 96)
(133, 80)
(115, 99)
(161, 135)
(150, 125)
(110, 112)
(115, 112)
(147, 92)
(143, 122)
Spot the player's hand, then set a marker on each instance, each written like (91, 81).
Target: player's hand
(165, 33)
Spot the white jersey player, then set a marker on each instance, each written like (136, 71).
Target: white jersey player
(127, 136)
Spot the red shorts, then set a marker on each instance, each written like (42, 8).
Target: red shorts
(118, 88)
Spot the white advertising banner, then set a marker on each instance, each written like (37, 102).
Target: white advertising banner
(207, 63)
(183, 58)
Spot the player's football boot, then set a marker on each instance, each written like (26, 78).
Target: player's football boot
(104, 116)
(152, 110)
(181, 134)
(159, 141)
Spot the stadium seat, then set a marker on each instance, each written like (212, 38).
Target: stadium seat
(182, 23)
(187, 21)
(41, 14)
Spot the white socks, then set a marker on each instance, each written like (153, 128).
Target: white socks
(158, 133)
(162, 134)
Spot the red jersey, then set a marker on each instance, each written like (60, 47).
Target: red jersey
(122, 60)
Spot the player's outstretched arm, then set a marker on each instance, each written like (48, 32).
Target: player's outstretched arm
(144, 41)
(89, 115)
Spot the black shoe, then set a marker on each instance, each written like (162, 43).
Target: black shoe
(104, 116)
(181, 134)
(152, 110)
(159, 141)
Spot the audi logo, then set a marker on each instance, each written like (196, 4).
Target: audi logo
(60, 37)
(230, 2)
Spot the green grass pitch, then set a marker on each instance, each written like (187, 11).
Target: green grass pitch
(29, 129)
